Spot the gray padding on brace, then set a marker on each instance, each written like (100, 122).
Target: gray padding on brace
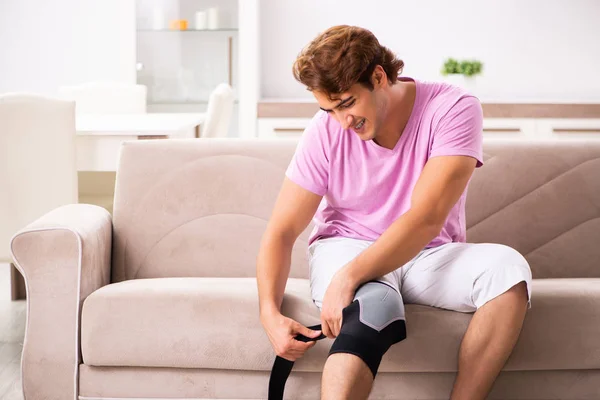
(380, 305)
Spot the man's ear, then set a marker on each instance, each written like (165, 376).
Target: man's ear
(379, 76)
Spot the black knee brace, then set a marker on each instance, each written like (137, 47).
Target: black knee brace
(370, 325)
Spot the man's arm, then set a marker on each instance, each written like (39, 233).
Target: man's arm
(439, 187)
(293, 210)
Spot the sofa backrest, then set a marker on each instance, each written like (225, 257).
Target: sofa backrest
(199, 207)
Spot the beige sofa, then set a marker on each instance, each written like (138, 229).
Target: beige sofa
(160, 301)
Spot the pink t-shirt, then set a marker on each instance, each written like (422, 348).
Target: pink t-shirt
(366, 187)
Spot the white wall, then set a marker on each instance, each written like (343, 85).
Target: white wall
(47, 44)
(249, 67)
(534, 50)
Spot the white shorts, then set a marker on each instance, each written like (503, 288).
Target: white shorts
(454, 276)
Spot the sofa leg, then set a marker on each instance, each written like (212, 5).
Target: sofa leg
(17, 284)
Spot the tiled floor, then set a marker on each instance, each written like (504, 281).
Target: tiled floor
(12, 330)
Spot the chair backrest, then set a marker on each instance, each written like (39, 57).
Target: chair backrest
(106, 97)
(37, 160)
(218, 114)
(186, 207)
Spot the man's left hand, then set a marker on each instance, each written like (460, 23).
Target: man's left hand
(340, 293)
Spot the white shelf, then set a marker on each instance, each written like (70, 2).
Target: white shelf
(233, 30)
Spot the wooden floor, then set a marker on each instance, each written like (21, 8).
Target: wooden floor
(12, 330)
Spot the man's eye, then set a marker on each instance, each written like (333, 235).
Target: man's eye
(348, 105)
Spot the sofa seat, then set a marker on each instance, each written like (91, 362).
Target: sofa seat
(196, 323)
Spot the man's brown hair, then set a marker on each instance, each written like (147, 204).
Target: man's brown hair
(342, 56)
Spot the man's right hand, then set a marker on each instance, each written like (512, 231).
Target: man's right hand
(282, 331)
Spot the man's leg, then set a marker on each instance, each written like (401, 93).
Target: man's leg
(491, 280)
(372, 323)
(488, 342)
(346, 376)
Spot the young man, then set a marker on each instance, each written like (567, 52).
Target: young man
(391, 158)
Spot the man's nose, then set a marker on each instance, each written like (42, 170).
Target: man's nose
(346, 120)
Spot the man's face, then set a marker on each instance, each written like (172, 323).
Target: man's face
(358, 109)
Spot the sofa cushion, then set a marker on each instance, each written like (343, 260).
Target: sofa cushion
(214, 323)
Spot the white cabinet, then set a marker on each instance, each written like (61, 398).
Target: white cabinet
(509, 127)
(182, 57)
(567, 127)
(282, 127)
(526, 128)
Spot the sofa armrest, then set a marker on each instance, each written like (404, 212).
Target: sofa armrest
(64, 256)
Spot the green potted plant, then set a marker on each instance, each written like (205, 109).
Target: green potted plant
(462, 72)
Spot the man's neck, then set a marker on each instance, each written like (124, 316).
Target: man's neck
(402, 99)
